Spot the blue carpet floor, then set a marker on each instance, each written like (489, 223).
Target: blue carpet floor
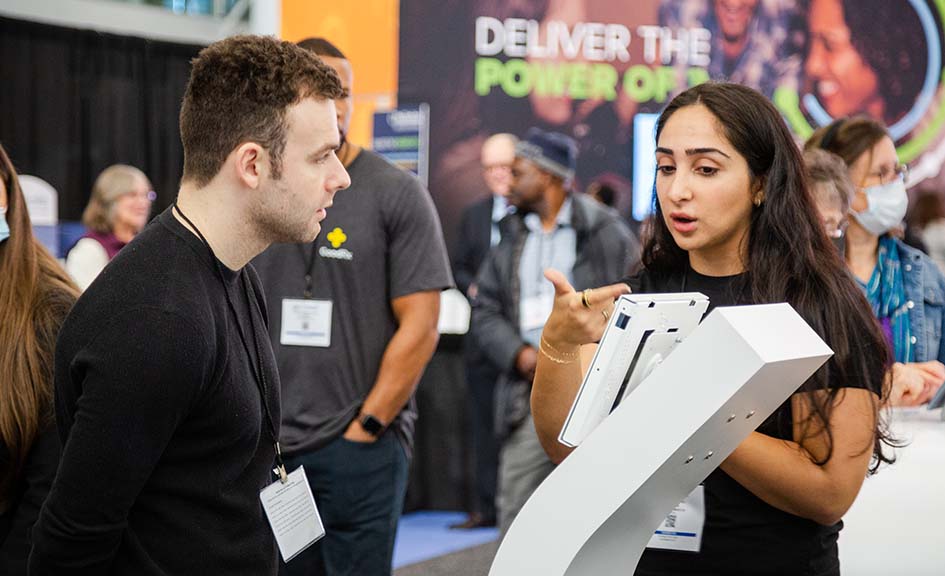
(425, 535)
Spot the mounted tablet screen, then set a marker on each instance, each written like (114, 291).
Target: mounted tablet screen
(643, 330)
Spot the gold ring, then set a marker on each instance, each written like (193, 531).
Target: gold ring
(606, 315)
(584, 299)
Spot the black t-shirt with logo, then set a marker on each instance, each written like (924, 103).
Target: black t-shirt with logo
(381, 240)
(742, 534)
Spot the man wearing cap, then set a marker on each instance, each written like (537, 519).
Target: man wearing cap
(552, 227)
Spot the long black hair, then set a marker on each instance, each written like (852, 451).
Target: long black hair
(789, 258)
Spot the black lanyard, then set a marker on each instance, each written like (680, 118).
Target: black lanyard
(258, 373)
(309, 263)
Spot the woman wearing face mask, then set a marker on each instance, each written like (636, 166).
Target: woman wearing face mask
(904, 286)
(35, 296)
(734, 220)
(117, 211)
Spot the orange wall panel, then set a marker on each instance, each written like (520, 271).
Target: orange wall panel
(366, 31)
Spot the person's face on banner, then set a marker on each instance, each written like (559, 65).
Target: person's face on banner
(843, 82)
(734, 16)
(528, 185)
(343, 106)
(704, 187)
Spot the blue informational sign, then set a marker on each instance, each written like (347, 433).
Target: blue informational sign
(402, 136)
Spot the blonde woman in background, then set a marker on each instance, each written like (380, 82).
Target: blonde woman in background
(117, 211)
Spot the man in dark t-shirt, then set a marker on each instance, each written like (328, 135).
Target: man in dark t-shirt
(167, 395)
(354, 323)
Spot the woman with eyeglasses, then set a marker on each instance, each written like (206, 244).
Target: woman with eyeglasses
(903, 285)
(118, 209)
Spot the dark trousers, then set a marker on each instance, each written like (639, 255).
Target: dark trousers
(480, 381)
(359, 489)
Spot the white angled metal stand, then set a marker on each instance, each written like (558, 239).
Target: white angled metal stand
(595, 514)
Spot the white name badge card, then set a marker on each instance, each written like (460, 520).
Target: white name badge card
(306, 323)
(682, 528)
(291, 511)
(535, 311)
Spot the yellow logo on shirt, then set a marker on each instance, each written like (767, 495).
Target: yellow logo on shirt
(337, 237)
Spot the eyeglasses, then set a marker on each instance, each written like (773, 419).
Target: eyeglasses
(886, 175)
(151, 195)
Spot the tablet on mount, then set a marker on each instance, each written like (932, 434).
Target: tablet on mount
(643, 330)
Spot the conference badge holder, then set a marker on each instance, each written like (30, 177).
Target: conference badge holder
(290, 508)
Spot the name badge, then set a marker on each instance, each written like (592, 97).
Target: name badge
(292, 514)
(682, 529)
(536, 310)
(306, 323)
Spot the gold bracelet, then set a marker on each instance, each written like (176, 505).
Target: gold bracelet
(548, 345)
(556, 360)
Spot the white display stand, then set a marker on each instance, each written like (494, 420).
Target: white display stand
(595, 514)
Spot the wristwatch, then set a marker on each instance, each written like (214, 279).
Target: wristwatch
(371, 425)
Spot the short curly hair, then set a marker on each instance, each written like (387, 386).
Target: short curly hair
(238, 91)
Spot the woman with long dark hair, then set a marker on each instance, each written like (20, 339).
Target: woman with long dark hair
(35, 296)
(735, 221)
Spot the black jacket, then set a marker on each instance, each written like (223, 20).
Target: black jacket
(606, 252)
(475, 241)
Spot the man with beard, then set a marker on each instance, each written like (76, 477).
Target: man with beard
(167, 394)
(354, 323)
(551, 228)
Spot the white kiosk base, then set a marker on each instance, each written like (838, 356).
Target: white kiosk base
(595, 514)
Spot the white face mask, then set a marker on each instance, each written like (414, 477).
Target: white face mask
(886, 206)
(4, 226)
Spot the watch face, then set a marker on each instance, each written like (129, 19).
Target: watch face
(371, 425)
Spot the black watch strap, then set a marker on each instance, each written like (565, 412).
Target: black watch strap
(371, 425)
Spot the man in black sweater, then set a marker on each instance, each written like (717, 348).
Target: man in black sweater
(167, 394)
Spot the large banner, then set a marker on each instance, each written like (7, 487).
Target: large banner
(599, 70)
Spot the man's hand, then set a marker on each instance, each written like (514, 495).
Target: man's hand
(526, 361)
(357, 433)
